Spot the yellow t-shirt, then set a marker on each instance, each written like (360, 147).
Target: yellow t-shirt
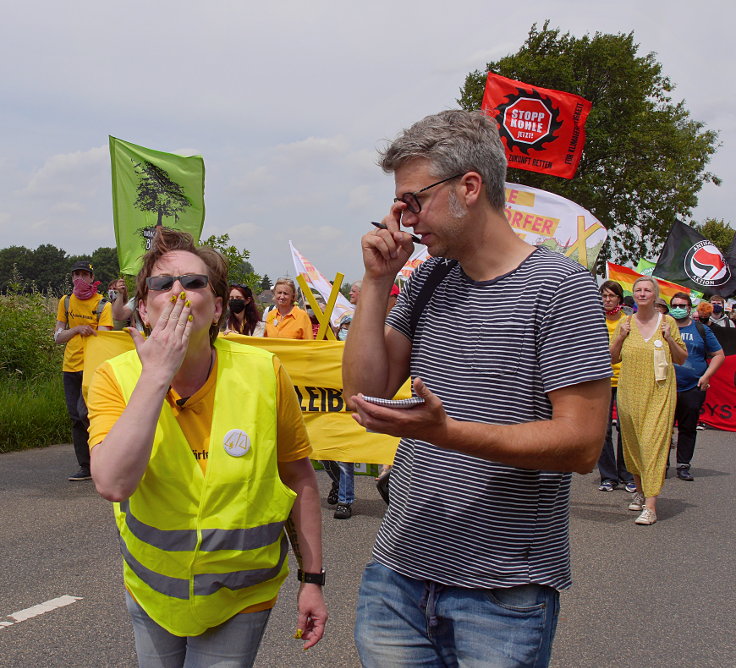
(81, 312)
(611, 325)
(294, 325)
(106, 403)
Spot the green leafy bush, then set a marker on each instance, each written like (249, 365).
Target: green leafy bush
(32, 405)
(27, 348)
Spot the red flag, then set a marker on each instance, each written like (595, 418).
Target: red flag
(543, 130)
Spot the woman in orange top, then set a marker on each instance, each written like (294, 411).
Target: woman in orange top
(287, 321)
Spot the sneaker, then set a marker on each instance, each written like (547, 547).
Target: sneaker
(647, 517)
(683, 473)
(82, 474)
(700, 427)
(343, 511)
(637, 501)
(630, 487)
(607, 486)
(332, 496)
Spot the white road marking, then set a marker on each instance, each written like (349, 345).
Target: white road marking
(40, 609)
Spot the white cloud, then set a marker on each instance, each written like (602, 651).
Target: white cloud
(287, 103)
(80, 172)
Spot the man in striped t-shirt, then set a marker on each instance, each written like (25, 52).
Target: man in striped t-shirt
(510, 354)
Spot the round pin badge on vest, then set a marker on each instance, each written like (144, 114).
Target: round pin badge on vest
(657, 344)
(236, 443)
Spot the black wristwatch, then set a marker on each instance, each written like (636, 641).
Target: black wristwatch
(311, 578)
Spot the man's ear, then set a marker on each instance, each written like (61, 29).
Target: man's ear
(218, 307)
(471, 186)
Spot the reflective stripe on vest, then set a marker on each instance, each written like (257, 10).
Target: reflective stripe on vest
(181, 540)
(199, 548)
(206, 583)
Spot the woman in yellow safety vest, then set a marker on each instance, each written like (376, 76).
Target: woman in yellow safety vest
(200, 444)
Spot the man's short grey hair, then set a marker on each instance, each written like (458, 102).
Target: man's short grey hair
(455, 142)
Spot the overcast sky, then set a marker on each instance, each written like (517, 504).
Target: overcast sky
(287, 102)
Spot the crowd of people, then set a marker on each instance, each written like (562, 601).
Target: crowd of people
(199, 441)
(663, 357)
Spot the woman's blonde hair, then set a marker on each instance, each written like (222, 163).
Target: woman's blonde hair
(286, 281)
(649, 279)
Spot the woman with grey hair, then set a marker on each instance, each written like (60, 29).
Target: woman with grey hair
(647, 344)
(287, 320)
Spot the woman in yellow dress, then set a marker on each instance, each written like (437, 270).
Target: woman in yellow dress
(647, 344)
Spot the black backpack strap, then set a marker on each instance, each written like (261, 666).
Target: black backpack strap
(701, 329)
(436, 276)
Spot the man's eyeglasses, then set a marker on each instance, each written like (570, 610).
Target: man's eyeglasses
(412, 201)
(188, 282)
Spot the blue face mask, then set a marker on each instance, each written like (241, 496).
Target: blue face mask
(717, 308)
(678, 312)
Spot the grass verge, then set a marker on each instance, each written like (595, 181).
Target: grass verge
(33, 414)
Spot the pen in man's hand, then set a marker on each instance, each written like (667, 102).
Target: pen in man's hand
(382, 226)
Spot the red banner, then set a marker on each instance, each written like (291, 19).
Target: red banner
(543, 130)
(719, 408)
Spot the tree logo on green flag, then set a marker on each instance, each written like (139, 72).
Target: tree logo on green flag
(149, 189)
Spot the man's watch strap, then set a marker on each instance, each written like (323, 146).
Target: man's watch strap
(311, 578)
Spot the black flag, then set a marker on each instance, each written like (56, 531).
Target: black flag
(688, 258)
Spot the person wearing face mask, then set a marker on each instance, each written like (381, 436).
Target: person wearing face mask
(243, 314)
(80, 315)
(719, 317)
(693, 378)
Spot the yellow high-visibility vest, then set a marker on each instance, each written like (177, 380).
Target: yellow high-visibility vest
(200, 547)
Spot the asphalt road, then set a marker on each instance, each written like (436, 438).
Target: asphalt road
(642, 596)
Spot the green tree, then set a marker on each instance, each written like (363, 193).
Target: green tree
(265, 282)
(345, 289)
(14, 260)
(107, 267)
(239, 269)
(645, 158)
(718, 231)
(157, 192)
(50, 268)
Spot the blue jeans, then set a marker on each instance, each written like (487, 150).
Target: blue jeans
(406, 622)
(232, 644)
(343, 475)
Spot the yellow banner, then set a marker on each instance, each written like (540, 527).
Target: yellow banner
(315, 368)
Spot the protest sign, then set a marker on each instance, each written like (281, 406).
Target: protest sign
(315, 369)
(690, 259)
(544, 219)
(543, 130)
(152, 188)
(317, 281)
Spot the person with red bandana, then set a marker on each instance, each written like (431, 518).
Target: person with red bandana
(80, 315)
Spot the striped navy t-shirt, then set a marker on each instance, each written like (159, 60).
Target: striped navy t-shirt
(491, 351)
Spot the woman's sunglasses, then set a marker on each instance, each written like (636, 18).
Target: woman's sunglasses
(188, 282)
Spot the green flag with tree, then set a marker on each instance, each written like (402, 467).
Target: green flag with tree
(152, 188)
